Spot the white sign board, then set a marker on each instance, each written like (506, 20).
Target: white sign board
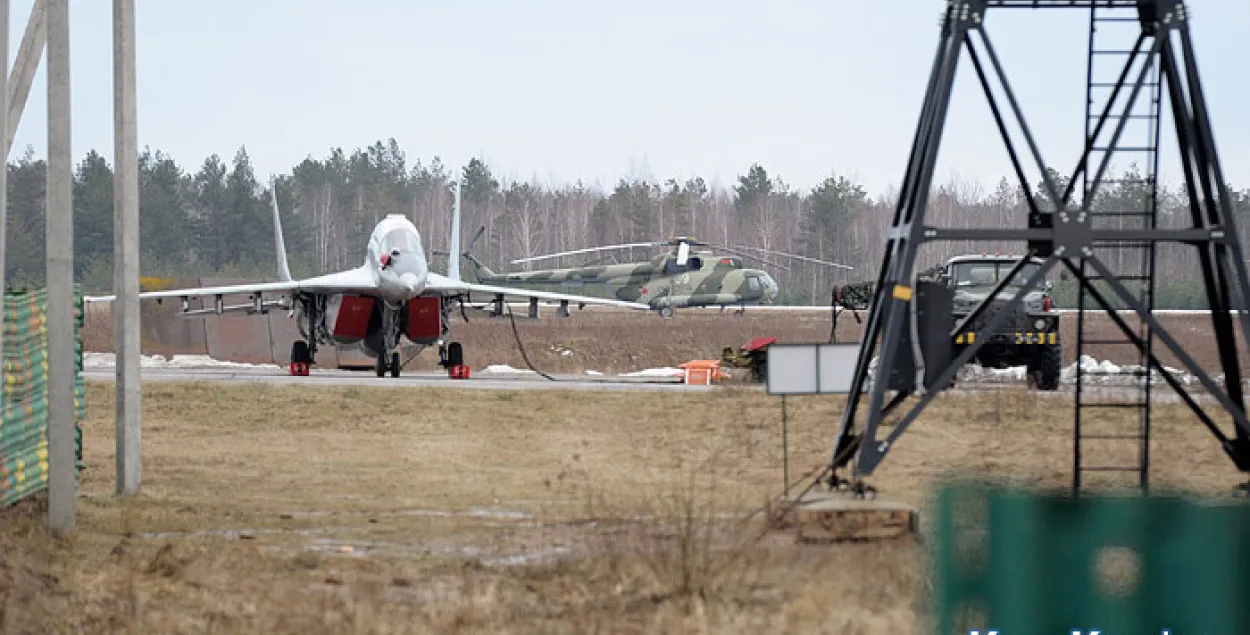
(811, 369)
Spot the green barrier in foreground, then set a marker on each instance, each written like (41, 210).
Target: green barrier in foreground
(1011, 562)
(24, 428)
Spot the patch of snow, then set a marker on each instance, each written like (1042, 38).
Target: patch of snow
(656, 372)
(974, 373)
(504, 368)
(204, 361)
(1094, 372)
(1107, 373)
(593, 372)
(98, 360)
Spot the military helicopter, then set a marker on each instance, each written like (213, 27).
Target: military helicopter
(683, 277)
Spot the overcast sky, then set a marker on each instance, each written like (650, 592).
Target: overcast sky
(560, 89)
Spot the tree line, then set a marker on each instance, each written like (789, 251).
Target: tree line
(215, 219)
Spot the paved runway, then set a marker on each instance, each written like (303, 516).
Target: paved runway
(413, 379)
(530, 381)
(222, 372)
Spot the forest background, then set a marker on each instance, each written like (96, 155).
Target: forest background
(216, 219)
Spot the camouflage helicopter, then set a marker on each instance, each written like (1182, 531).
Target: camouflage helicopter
(683, 277)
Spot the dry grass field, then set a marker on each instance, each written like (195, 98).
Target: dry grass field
(270, 509)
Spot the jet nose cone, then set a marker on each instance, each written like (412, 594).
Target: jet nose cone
(412, 282)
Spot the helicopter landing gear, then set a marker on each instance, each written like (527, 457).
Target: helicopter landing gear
(666, 312)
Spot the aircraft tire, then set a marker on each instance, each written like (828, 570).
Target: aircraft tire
(666, 312)
(300, 353)
(395, 364)
(455, 354)
(379, 366)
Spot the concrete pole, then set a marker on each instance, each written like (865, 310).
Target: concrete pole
(24, 67)
(59, 237)
(126, 249)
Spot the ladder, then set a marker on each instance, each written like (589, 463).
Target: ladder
(1102, 442)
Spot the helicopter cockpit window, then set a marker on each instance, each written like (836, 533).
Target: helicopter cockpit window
(753, 283)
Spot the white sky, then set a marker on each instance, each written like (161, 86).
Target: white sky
(560, 90)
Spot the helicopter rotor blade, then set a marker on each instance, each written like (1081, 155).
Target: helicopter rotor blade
(755, 258)
(474, 239)
(796, 256)
(586, 251)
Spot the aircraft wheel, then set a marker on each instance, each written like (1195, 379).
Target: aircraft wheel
(395, 364)
(301, 358)
(455, 354)
(380, 365)
(666, 312)
(299, 352)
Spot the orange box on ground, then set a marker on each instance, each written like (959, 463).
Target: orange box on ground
(702, 372)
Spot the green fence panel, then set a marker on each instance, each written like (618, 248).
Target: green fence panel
(24, 399)
(1010, 561)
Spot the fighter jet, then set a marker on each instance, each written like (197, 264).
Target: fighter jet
(391, 294)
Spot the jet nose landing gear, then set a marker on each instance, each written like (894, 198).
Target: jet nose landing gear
(382, 366)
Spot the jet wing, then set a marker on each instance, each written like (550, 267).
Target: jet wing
(351, 281)
(444, 285)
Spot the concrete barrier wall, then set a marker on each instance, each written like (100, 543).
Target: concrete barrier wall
(237, 337)
(163, 332)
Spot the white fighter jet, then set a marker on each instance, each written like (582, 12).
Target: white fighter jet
(392, 294)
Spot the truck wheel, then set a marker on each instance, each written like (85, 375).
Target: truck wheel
(759, 369)
(1046, 370)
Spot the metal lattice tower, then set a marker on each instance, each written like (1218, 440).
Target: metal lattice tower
(1109, 252)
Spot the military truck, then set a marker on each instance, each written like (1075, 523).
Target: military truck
(1029, 338)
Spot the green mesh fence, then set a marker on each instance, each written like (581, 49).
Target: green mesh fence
(24, 430)
(1016, 562)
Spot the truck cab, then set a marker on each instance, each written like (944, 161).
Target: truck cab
(1029, 338)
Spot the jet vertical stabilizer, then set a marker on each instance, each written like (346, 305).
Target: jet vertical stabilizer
(284, 272)
(453, 251)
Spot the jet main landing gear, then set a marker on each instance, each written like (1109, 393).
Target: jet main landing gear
(451, 357)
(301, 358)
